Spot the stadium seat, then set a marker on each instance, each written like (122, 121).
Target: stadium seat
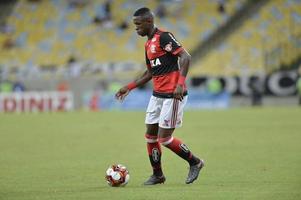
(274, 30)
(49, 32)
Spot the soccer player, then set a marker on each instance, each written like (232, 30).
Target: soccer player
(167, 65)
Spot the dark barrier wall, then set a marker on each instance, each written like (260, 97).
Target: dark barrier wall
(282, 83)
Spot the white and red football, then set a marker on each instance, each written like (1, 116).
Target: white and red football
(117, 175)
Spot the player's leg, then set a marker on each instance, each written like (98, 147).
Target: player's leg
(153, 148)
(171, 118)
(177, 146)
(152, 141)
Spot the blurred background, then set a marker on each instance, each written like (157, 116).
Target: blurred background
(75, 54)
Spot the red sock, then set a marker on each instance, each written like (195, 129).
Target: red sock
(154, 153)
(178, 147)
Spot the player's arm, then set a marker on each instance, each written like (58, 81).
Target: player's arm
(184, 62)
(124, 91)
(144, 78)
(169, 43)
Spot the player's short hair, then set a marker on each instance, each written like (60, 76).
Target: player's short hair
(142, 11)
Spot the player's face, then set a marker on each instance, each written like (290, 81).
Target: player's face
(142, 26)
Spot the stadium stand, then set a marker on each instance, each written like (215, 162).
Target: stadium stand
(49, 32)
(264, 43)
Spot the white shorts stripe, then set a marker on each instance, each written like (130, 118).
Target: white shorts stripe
(174, 113)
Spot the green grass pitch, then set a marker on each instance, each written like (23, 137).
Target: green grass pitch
(250, 153)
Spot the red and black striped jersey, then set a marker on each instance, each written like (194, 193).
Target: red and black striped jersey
(161, 55)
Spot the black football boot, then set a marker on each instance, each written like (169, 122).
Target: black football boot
(194, 171)
(153, 180)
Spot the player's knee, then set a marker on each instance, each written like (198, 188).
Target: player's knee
(166, 140)
(152, 129)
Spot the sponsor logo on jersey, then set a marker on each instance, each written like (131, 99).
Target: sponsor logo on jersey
(155, 154)
(155, 62)
(168, 47)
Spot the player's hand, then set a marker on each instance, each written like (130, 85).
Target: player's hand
(178, 93)
(122, 93)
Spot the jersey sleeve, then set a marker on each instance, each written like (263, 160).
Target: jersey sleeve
(169, 43)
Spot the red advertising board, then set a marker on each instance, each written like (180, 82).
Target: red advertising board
(36, 102)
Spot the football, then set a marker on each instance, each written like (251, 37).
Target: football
(117, 175)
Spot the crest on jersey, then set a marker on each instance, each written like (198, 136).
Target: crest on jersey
(153, 48)
(154, 39)
(168, 47)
